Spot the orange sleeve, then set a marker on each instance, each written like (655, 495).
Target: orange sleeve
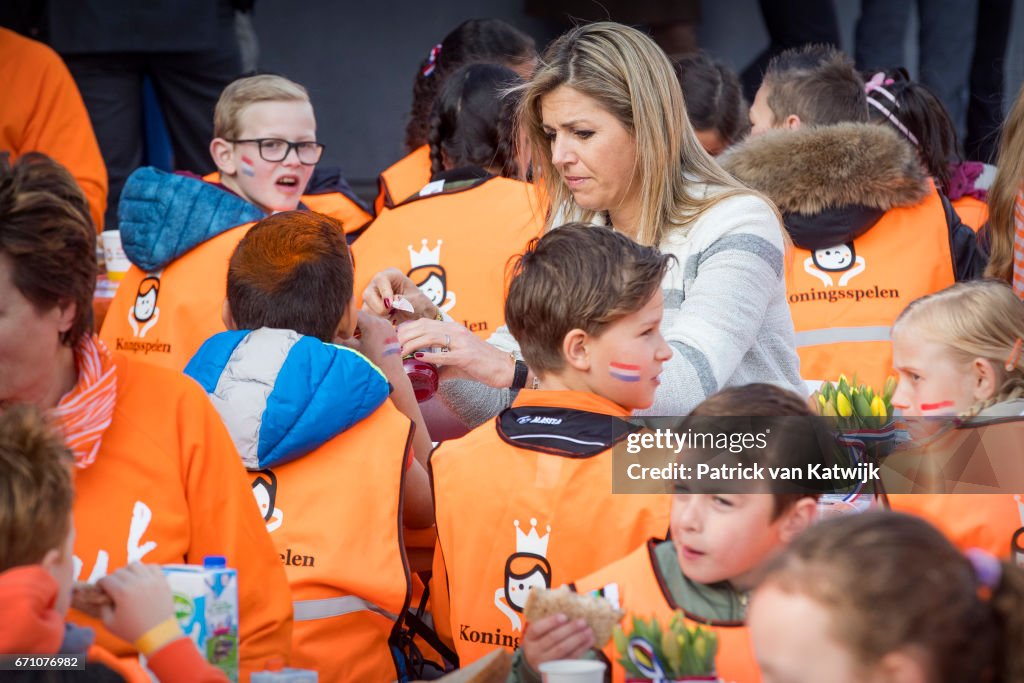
(180, 661)
(226, 521)
(52, 117)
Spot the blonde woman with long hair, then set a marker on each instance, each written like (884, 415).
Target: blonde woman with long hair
(1005, 229)
(610, 142)
(959, 355)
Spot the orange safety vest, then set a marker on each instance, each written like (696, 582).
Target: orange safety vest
(845, 298)
(991, 521)
(333, 204)
(642, 593)
(335, 518)
(165, 316)
(525, 501)
(402, 179)
(973, 212)
(455, 245)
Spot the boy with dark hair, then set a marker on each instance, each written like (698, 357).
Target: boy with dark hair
(525, 501)
(718, 543)
(816, 85)
(37, 537)
(871, 230)
(302, 381)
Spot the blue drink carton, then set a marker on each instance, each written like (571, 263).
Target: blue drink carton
(206, 606)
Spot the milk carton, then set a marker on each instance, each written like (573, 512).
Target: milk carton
(206, 605)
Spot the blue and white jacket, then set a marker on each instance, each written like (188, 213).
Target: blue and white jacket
(282, 394)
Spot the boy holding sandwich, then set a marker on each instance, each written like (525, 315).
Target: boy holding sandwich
(524, 501)
(719, 541)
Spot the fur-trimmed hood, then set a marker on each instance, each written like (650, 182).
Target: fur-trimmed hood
(831, 183)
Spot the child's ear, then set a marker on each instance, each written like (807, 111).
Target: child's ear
(793, 122)
(223, 156)
(798, 519)
(349, 320)
(574, 348)
(51, 559)
(226, 317)
(986, 379)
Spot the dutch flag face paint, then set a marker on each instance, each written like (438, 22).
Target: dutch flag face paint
(246, 166)
(624, 372)
(391, 346)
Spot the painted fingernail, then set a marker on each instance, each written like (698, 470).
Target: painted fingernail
(418, 355)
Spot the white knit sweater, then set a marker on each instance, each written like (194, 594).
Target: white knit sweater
(726, 316)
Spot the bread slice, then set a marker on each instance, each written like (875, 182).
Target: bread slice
(598, 612)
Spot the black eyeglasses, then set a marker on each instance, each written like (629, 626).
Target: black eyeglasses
(275, 149)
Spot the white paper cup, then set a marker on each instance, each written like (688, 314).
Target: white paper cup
(113, 254)
(573, 671)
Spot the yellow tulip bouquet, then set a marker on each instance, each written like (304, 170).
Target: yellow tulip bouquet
(855, 406)
(677, 653)
(865, 425)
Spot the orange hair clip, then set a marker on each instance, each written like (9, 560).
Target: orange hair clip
(1011, 361)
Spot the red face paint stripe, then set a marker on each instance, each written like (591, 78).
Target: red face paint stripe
(247, 160)
(936, 406)
(624, 366)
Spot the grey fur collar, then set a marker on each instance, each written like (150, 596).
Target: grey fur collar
(812, 169)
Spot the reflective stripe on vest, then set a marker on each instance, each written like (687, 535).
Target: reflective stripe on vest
(845, 298)
(308, 610)
(835, 335)
(309, 504)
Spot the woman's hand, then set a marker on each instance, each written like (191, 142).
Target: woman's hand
(556, 637)
(466, 356)
(379, 295)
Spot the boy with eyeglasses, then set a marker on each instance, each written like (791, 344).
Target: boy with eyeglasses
(179, 230)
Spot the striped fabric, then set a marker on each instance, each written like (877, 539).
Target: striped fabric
(85, 412)
(1018, 244)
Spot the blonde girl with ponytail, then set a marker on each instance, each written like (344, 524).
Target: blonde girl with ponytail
(958, 353)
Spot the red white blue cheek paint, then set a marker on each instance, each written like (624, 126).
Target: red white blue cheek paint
(246, 166)
(624, 372)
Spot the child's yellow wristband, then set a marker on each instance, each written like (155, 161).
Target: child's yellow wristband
(158, 636)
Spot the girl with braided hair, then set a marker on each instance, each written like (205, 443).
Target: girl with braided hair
(454, 237)
(959, 356)
(472, 41)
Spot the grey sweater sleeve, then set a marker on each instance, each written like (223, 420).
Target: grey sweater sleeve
(726, 318)
(474, 402)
